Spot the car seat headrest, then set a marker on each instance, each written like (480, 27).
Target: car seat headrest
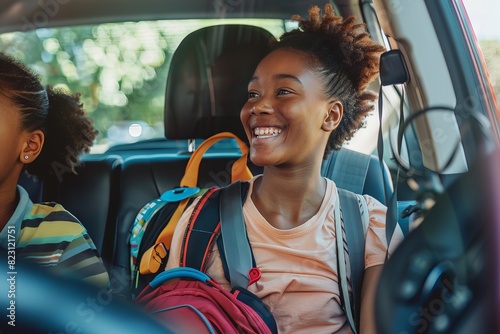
(208, 79)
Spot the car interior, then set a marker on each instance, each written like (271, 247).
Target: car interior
(431, 160)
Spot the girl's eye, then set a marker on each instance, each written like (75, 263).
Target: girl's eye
(283, 92)
(252, 94)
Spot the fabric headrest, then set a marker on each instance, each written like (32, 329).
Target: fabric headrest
(208, 79)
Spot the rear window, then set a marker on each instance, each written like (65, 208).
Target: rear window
(120, 69)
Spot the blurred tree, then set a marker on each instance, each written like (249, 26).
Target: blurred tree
(491, 52)
(119, 68)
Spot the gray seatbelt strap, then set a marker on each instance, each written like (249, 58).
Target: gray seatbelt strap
(347, 169)
(355, 228)
(234, 235)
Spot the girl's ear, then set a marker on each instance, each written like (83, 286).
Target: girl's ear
(333, 116)
(32, 146)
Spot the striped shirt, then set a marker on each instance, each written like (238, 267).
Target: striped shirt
(51, 236)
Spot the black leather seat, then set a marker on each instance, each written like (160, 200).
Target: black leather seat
(208, 79)
(90, 195)
(206, 89)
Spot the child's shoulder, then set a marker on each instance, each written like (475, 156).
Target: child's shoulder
(51, 213)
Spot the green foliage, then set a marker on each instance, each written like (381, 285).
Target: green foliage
(120, 69)
(491, 53)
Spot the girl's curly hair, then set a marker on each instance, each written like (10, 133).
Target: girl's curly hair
(348, 60)
(59, 115)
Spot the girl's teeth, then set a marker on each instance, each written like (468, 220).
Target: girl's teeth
(266, 132)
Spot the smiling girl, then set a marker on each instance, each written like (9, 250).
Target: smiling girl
(306, 97)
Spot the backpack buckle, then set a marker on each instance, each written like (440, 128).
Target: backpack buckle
(153, 259)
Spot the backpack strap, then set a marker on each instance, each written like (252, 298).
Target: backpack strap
(156, 256)
(202, 231)
(349, 220)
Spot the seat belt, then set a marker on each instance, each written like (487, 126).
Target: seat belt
(355, 223)
(347, 168)
(237, 251)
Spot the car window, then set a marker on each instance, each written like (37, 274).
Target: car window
(119, 68)
(487, 30)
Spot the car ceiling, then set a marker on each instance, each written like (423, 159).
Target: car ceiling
(22, 15)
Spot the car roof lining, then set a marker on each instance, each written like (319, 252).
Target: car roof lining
(23, 15)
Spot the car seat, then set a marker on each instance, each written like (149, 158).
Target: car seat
(206, 88)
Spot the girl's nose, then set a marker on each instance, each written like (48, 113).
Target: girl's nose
(261, 107)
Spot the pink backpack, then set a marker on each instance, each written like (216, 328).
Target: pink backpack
(191, 302)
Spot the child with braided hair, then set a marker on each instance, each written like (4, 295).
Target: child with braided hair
(307, 97)
(42, 128)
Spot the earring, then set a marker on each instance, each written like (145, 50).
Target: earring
(26, 157)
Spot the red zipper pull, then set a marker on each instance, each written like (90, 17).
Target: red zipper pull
(254, 274)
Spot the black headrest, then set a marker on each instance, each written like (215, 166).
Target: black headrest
(208, 79)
